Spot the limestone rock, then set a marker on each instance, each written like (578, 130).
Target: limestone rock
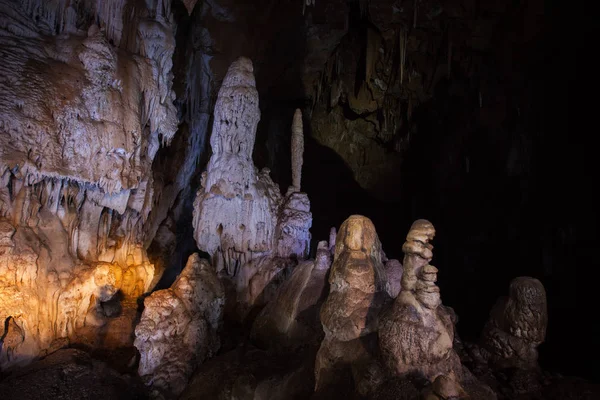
(240, 217)
(49, 296)
(517, 325)
(393, 272)
(297, 150)
(178, 327)
(85, 103)
(70, 374)
(351, 310)
(235, 212)
(291, 317)
(252, 374)
(257, 283)
(294, 222)
(416, 334)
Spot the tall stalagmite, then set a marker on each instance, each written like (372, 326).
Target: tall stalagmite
(297, 150)
(235, 211)
(350, 313)
(416, 334)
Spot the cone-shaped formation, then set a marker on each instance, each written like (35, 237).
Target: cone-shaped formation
(235, 212)
(277, 325)
(297, 150)
(517, 325)
(350, 312)
(239, 213)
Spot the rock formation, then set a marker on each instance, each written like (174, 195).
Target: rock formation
(293, 225)
(235, 211)
(292, 316)
(240, 217)
(443, 388)
(416, 334)
(178, 327)
(257, 282)
(393, 272)
(297, 150)
(517, 326)
(351, 310)
(83, 111)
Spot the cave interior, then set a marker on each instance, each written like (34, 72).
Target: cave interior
(227, 199)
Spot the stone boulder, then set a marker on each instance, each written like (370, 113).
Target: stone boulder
(178, 328)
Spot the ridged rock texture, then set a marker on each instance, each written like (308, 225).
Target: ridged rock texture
(293, 226)
(241, 220)
(297, 150)
(235, 212)
(178, 328)
(292, 317)
(517, 326)
(416, 335)
(84, 107)
(352, 307)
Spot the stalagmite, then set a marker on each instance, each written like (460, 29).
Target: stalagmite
(297, 150)
(291, 318)
(239, 213)
(416, 334)
(350, 313)
(235, 211)
(517, 326)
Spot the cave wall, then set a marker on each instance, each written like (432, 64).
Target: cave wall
(86, 102)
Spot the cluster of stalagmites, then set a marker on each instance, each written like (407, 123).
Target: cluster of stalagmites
(383, 344)
(254, 236)
(71, 238)
(83, 109)
(251, 231)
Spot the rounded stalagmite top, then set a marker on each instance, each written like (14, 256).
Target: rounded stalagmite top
(240, 73)
(421, 230)
(358, 233)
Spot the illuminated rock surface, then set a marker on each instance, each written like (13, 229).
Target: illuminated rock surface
(83, 110)
(417, 333)
(397, 110)
(178, 328)
(350, 313)
(240, 217)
